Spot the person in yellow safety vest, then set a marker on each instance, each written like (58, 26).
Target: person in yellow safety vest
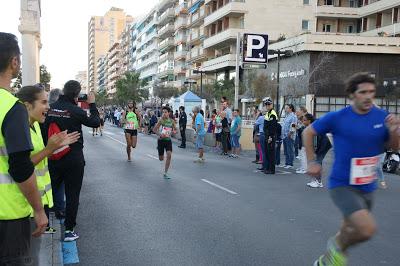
(36, 102)
(270, 133)
(19, 195)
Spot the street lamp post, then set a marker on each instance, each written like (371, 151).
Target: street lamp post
(195, 71)
(279, 53)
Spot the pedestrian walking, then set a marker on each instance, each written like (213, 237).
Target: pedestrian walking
(289, 135)
(182, 126)
(69, 166)
(352, 181)
(19, 194)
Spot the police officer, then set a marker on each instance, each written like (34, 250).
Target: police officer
(270, 133)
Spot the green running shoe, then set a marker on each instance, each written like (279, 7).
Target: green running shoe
(166, 176)
(334, 256)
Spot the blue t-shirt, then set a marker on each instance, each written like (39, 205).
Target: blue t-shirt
(354, 136)
(237, 121)
(260, 124)
(200, 121)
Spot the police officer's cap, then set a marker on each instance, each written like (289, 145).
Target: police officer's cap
(267, 101)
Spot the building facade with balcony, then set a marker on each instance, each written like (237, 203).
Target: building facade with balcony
(103, 32)
(102, 73)
(363, 17)
(181, 42)
(114, 67)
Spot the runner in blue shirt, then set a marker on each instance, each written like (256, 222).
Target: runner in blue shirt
(360, 133)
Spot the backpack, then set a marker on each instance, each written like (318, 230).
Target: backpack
(61, 152)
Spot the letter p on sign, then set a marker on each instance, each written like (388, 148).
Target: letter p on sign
(255, 48)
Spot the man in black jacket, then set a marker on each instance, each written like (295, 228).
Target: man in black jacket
(182, 126)
(270, 133)
(70, 168)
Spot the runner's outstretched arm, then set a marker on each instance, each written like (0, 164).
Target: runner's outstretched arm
(393, 125)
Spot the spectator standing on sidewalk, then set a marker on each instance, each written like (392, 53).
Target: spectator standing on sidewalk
(182, 126)
(200, 133)
(236, 132)
(259, 139)
(70, 168)
(58, 193)
(224, 133)
(19, 193)
(289, 135)
(218, 132)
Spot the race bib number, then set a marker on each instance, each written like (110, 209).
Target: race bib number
(166, 131)
(363, 170)
(130, 125)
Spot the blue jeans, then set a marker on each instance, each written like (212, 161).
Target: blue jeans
(262, 143)
(278, 152)
(288, 146)
(58, 197)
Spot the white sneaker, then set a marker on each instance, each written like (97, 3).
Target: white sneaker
(309, 183)
(301, 171)
(316, 184)
(288, 167)
(297, 157)
(279, 165)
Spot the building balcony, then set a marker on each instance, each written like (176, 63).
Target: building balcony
(165, 72)
(180, 23)
(180, 55)
(148, 72)
(181, 9)
(165, 3)
(165, 44)
(147, 50)
(151, 60)
(389, 30)
(235, 8)
(180, 69)
(196, 54)
(167, 29)
(196, 19)
(221, 62)
(165, 57)
(221, 38)
(196, 36)
(167, 16)
(378, 6)
(168, 83)
(180, 38)
(337, 12)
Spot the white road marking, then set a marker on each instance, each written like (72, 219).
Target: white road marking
(220, 187)
(283, 172)
(109, 133)
(151, 156)
(116, 140)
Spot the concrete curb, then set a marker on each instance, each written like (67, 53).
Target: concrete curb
(50, 247)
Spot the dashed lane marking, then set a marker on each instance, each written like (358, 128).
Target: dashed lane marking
(220, 187)
(151, 156)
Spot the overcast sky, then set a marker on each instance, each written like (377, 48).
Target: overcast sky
(64, 30)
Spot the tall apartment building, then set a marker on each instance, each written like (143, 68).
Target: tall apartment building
(166, 17)
(133, 48)
(81, 77)
(113, 68)
(125, 47)
(103, 32)
(181, 42)
(102, 75)
(147, 48)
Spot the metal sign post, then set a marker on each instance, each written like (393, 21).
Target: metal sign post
(237, 69)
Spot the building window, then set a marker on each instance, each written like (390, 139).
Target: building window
(326, 28)
(306, 2)
(328, 2)
(350, 29)
(305, 24)
(241, 23)
(352, 3)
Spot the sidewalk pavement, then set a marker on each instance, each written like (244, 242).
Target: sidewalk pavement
(50, 247)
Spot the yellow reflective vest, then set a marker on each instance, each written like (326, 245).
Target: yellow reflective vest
(13, 204)
(269, 114)
(42, 168)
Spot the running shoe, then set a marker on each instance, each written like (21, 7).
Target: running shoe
(383, 184)
(334, 256)
(309, 183)
(316, 184)
(301, 171)
(50, 230)
(287, 166)
(166, 176)
(70, 236)
(200, 160)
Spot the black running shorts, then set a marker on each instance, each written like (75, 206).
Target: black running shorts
(163, 144)
(349, 200)
(132, 132)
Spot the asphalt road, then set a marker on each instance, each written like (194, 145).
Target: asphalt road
(219, 213)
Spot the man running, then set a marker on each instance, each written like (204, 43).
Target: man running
(360, 132)
(164, 128)
(131, 120)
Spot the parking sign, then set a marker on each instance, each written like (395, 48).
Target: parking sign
(255, 48)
